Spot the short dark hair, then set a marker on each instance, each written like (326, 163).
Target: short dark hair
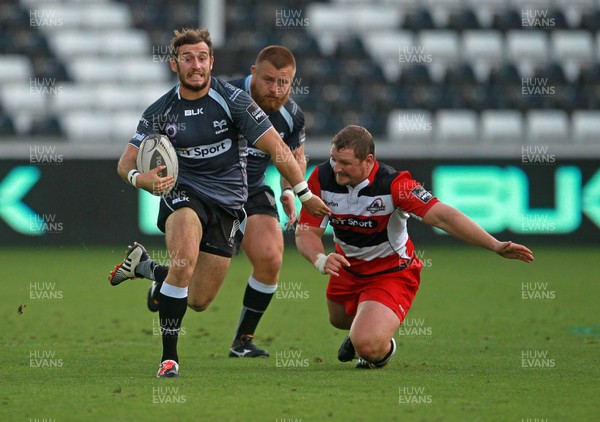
(277, 55)
(189, 36)
(357, 138)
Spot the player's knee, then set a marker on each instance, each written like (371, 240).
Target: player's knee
(270, 263)
(198, 305)
(182, 272)
(369, 348)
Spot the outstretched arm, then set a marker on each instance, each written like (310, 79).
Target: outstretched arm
(457, 224)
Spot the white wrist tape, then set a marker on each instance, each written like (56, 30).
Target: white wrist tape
(288, 192)
(301, 189)
(132, 176)
(320, 263)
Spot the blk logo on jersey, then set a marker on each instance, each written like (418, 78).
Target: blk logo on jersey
(256, 112)
(376, 205)
(423, 195)
(196, 112)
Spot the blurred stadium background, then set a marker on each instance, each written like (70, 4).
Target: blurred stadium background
(470, 95)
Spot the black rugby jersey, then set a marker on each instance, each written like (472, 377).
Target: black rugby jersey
(211, 136)
(289, 123)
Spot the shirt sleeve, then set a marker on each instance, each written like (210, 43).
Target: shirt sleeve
(147, 123)
(250, 119)
(410, 196)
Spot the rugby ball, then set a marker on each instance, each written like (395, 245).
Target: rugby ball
(157, 150)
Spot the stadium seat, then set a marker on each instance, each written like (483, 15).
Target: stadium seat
(95, 69)
(442, 45)
(576, 46)
(99, 15)
(69, 43)
(455, 127)
(74, 97)
(22, 98)
(410, 126)
(391, 49)
(483, 46)
(586, 126)
(460, 74)
(507, 20)
(45, 126)
(547, 127)
(590, 20)
(527, 46)
(505, 73)
(7, 126)
(87, 126)
(123, 97)
(15, 68)
(463, 20)
(501, 127)
(123, 126)
(418, 20)
(143, 70)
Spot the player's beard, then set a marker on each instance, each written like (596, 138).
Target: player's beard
(269, 105)
(195, 87)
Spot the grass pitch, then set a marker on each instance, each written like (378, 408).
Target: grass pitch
(486, 339)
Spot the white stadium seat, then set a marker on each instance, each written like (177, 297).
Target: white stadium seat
(547, 127)
(527, 46)
(88, 126)
(456, 127)
(586, 126)
(95, 70)
(123, 126)
(410, 126)
(23, 98)
(15, 68)
(441, 44)
(501, 126)
(75, 97)
(577, 46)
(485, 46)
(119, 97)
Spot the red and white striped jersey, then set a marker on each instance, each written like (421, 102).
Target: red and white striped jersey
(369, 220)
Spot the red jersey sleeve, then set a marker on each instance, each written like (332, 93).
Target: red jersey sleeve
(315, 188)
(410, 196)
